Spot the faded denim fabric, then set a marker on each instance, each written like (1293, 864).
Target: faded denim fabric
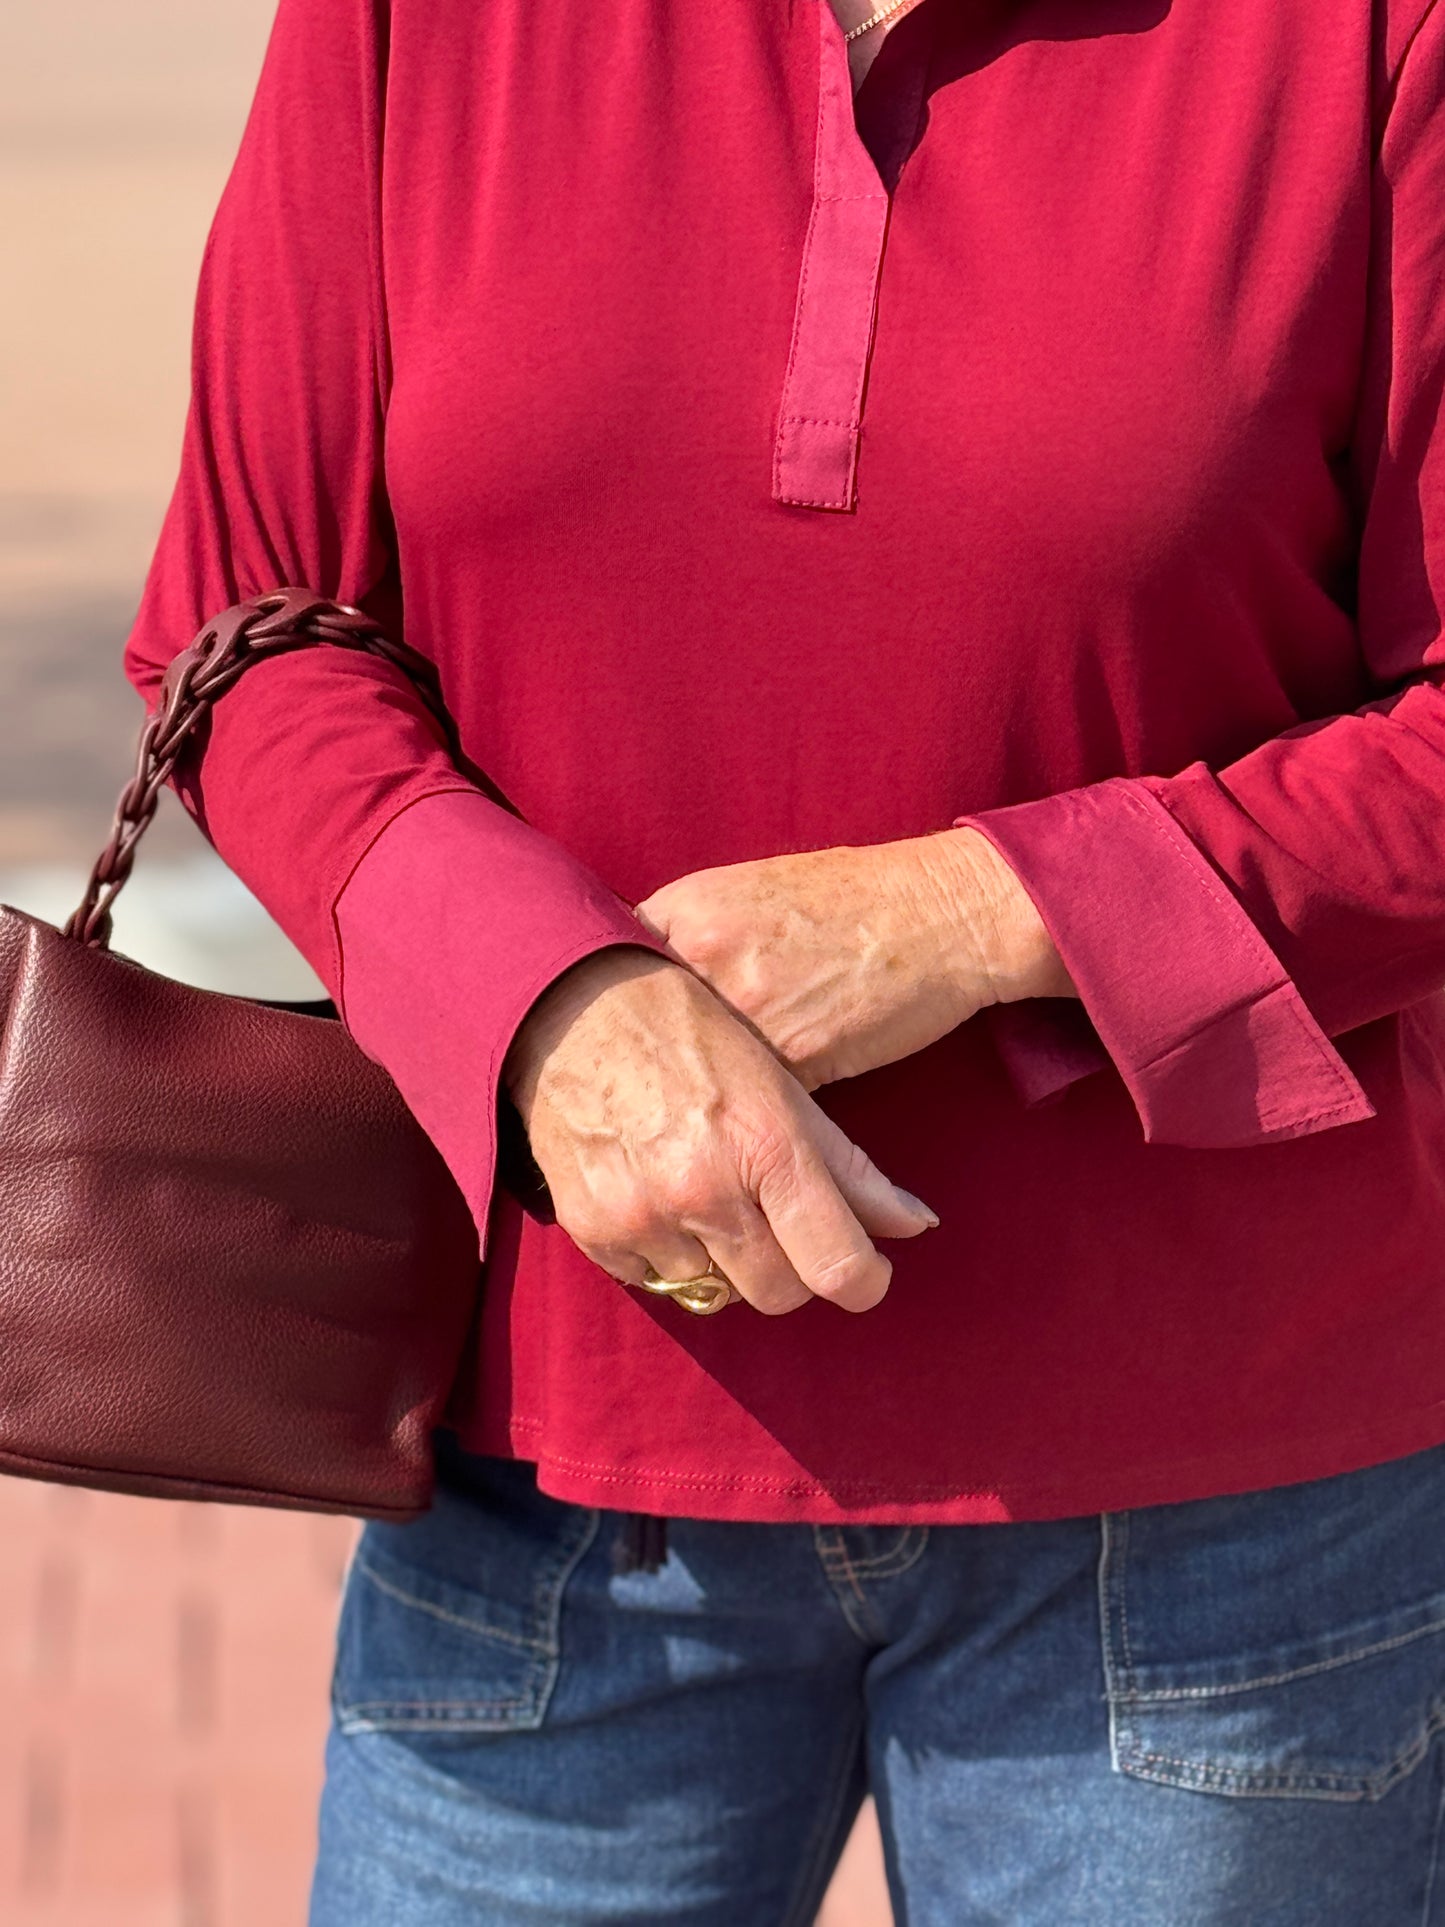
(1222, 1711)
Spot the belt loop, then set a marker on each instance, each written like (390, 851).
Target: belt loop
(641, 1544)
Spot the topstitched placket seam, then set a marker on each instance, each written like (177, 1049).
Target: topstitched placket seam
(816, 445)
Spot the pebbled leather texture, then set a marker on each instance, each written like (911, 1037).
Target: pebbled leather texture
(232, 1265)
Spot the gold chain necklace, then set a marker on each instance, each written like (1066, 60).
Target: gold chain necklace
(877, 19)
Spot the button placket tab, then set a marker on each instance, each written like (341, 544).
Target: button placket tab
(815, 456)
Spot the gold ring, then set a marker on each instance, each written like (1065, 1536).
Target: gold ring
(711, 1290)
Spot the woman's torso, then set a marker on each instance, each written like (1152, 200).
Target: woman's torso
(1102, 522)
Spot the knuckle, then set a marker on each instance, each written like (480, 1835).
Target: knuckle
(706, 937)
(618, 1262)
(690, 1190)
(693, 922)
(625, 1225)
(772, 1161)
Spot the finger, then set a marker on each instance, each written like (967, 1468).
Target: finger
(748, 1256)
(671, 1255)
(748, 1253)
(681, 1242)
(883, 1208)
(817, 1231)
(675, 1255)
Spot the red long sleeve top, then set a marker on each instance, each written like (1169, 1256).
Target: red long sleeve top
(1049, 440)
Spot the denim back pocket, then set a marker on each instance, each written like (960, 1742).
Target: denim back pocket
(1287, 1642)
(451, 1623)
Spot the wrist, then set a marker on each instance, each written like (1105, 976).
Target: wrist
(1010, 940)
(556, 1008)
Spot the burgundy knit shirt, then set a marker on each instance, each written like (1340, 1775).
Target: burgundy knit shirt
(1049, 440)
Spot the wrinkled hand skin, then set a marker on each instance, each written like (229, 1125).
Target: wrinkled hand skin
(848, 958)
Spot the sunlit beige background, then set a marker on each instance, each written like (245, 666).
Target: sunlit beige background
(163, 1667)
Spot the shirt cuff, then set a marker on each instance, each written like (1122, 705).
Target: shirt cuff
(1046, 1044)
(1198, 1015)
(453, 923)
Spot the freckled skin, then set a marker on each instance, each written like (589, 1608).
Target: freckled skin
(848, 958)
(667, 1102)
(670, 1134)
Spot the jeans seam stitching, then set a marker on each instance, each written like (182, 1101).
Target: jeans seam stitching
(1299, 1781)
(420, 1714)
(535, 1648)
(552, 1577)
(865, 1613)
(1113, 1533)
(1124, 1699)
(837, 1565)
(1432, 1871)
(1170, 1693)
(1126, 1637)
(905, 1555)
(544, 1653)
(806, 1896)
(586, 1539)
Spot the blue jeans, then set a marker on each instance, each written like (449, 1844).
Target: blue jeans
(1222, 1711)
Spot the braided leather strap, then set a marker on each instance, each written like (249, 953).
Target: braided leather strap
(267, 625)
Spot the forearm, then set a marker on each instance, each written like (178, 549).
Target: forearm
(1006, 935)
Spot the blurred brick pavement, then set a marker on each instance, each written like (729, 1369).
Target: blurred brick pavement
(163, 1672)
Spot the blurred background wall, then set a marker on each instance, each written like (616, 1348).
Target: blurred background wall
(162, 1667)
(117, 125)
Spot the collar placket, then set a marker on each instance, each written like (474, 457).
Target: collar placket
(815, 456)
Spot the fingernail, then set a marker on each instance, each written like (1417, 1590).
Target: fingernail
(916, 1204)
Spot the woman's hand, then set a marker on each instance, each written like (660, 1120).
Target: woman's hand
(849, 958)
(669, 1134)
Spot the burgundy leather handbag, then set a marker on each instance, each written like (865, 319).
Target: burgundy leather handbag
(232, 1266)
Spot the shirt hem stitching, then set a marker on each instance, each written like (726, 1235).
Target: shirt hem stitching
(878, 1490)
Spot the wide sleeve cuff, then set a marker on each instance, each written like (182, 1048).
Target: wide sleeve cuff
(453, 923)
(1046, 1044)
(1201, 1020)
